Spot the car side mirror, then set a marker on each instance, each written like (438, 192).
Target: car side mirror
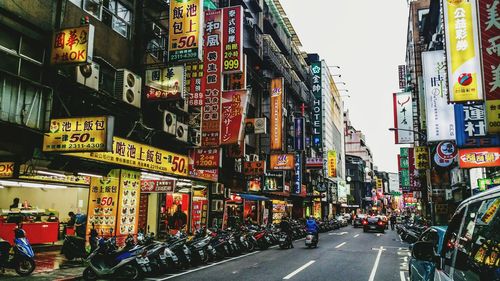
(423, 250)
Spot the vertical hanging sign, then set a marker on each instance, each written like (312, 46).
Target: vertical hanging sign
(489, 21)
(184, 33)
(317, 105)
(300, 139)
(277, 113)
(297, 182)
(232, 43)
(213, 84)
(464, 66)
(234, 104)
(403, 117)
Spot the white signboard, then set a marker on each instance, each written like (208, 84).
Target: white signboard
(403, 117)
(440, 116)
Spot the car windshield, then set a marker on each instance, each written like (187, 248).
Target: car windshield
(373, 219)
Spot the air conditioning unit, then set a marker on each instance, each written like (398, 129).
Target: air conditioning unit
(218, 189)
(88, 75)
(169, 122)
(182, 104)
(247, 158)
(194, 137)
(254, 157)
(227, 192)
(156, 30)
(128, 87)
(217, 205)
(181, 132)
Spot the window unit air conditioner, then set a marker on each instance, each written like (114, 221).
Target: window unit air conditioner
(181, 132)
(254, 157)
(88, 75)
(218, 189)
(194, 137)
(156, 30)
(217, 205)
(182, 104)
(227, 192)
(169, 122)
(128, 87)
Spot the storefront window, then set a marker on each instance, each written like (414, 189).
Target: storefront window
(199, 209)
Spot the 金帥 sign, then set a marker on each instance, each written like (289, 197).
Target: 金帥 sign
(79, 134)
(72, 45)
(233, 40)
(403, 117)
(165, 83)
(462, 45)
(184, 32)
(479, 157)
(277, 113)
(317, 121)
(140, 156)
(6, 169)
(282, 161)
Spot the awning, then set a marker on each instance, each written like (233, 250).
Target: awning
(253, 197)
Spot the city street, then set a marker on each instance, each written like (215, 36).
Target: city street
(346, 253)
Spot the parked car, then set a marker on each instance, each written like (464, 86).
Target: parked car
(373, 223)
(358, 221)
(470, 248)
(421, 269)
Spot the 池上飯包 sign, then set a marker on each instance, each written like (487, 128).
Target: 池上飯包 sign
(297, 177)
(403, 117)
(300, 137)
(195, 84)
(479, 157)
(317, 121)
(462, 50)
(140, 156)
(232, 42)
(157, 186)
(7, 169)
(234, 104)
(489, 22)
(79, 134)
(332, 163)
(206, 158)
(422, 158)
(471, 127)
(440, 116)
(208, 174)
(165, 83)
(210, 135)
(254, 168)
(103, 203)
(277, 96)
(185, 23)
(72, 45)
(282, 161)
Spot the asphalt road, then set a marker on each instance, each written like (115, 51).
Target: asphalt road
(345, 254)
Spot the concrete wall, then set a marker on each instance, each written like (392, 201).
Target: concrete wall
(61, 200)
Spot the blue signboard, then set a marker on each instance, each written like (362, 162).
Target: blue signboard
(471, 127)
(299, 133)
(297, 178)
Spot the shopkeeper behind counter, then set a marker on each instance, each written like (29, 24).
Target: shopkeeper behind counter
(15, 204)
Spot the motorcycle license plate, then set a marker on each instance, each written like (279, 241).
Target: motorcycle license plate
(201, 253)
(174, 258)
(372, 227)
(163, 256)
(282, 239)
(142, 260)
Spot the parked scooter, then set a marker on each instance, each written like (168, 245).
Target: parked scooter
(74, 246)
(311, 240)
(21, 258)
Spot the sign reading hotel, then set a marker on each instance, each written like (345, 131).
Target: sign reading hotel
(403, 117)
(210, 133)
(479, 157)
(277, 113)
(233, 40)
(317, 127)
(282, 161)
(72, 45)
(464, 66)
(79, 134)
(185, 32)
(165, 83)
(140, 156)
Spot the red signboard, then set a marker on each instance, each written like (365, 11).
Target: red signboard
(233, 35)
(206, 158)
(479, 157)
(234, 104)
(209, 174)
(212, 58)
(490, 28)
(195, 84)
(159, 186)
(254, 168)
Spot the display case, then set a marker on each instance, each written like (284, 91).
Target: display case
(41, 226)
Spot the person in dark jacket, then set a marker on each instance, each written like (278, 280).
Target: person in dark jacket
(393, 221)
(287, 228)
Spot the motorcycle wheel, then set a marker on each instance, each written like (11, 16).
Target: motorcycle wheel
(25, 267)
(89, 274)
(251, 247)
(205, 258)
(131, 272)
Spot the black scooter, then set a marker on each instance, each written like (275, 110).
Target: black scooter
(74, 246)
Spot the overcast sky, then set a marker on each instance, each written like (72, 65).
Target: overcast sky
(367, 39)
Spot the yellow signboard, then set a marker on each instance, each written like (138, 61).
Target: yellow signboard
(140, 156)
(332, 163)
(103, 203)
(72, 45)
(79, 134)
(421, 158)
(185, 30)
(128, 206)
(464, 66)
(6, 169)
(83, 180)
(493, 116)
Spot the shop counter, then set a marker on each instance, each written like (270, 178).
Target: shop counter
(36, 232)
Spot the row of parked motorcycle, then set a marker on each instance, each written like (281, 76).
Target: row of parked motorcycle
(410, 231)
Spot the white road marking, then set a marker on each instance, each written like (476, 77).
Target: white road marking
(356, 235)
(203, 267)
(340, 245)
(375, 265)
(298, 270)
(402, 276)
(338, 233)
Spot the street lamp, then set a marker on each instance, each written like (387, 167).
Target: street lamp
(345, 90)
(334, 66)
(422, 135)
(343, 83)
